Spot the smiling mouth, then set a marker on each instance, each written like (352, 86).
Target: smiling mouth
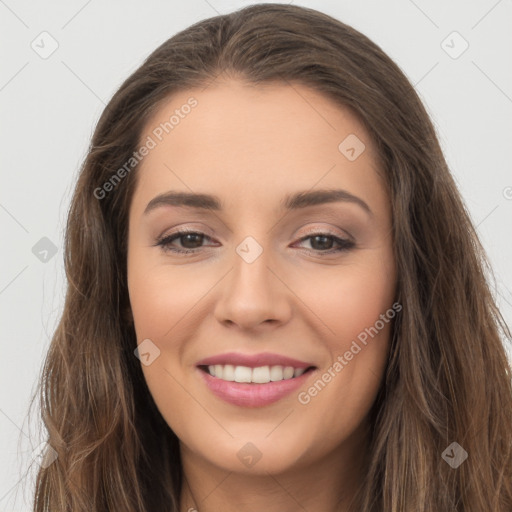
(257, 375)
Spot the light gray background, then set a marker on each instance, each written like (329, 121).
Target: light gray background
(49, 108)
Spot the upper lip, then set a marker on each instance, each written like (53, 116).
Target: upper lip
(253, 360)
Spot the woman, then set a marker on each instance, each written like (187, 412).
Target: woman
(276, 297)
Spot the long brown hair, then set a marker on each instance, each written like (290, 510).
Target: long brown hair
(448, 378)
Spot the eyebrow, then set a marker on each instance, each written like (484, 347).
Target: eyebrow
(295, 201)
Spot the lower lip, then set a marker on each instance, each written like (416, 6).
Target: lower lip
(253, 395)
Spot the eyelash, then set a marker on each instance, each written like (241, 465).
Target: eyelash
(165, 242)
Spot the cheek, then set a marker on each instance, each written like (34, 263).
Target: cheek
(161, 297)
(165, 301)
(355, 308)
(350, 298)
(162, 300)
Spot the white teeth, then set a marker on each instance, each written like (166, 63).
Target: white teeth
(298, 372)
(276, 373)
(243, 374)
(288, 372)
(258, 375)
(261, 374)
(228, 373)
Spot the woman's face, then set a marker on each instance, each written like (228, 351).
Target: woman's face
(291, 292)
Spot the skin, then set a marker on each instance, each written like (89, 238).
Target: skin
(252, 145)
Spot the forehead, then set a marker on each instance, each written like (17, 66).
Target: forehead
(254, 143)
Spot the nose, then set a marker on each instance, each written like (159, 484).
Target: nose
(253, 295)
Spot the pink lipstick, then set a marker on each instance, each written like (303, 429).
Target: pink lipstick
(253, 380)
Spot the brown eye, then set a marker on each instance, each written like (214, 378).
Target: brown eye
(190, 241)
(322, 243)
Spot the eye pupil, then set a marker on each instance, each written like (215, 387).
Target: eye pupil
(325, 242)
(185, 238)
